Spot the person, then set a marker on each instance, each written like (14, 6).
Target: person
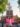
(15, 24)
(2, 23)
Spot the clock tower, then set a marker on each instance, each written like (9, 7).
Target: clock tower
(9, 11)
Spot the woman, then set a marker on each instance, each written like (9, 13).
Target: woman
(15, 24)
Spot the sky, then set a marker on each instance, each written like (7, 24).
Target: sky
(15, 8)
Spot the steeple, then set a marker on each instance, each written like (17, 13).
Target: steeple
(9, 7)
(9, 11)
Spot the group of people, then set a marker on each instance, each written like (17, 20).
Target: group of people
(9, 22)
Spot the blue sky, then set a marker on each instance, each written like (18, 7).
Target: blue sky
(14, 7)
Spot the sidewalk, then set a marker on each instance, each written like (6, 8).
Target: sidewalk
(0, 24)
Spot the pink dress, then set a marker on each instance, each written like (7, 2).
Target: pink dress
(10, 21)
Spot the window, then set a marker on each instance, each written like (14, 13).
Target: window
(9, 13)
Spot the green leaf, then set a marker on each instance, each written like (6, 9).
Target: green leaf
(3, 5)
(3, 1)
